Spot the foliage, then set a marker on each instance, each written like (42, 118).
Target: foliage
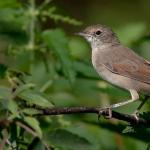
(44, 67)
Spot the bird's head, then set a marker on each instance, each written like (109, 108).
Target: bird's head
(99, 35)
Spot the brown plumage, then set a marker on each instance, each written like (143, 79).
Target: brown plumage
(116, 63)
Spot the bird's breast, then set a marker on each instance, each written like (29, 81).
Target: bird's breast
(98, 61)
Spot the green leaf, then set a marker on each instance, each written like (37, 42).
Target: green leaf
(85, 69)
(34, 97)
(5, 93)
(36, 145)
(34, 124)
(79, 49)
(65, 139)
(58, 42)
(9, 105)
(128, 129)
(12, 106)
(24, 87)
(30, 111)
(6, 103)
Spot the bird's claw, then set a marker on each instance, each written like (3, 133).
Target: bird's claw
(136, 115)
(107, 112)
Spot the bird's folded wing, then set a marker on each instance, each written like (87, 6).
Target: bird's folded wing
(139, 71)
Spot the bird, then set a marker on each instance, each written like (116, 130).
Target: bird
(118, 64)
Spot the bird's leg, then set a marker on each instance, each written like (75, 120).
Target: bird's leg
(141, 105)
(134, 97)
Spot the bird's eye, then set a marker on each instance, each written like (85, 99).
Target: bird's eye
(98, 32)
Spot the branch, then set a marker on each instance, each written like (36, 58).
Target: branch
(96, 110)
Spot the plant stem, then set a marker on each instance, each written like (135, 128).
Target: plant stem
(31, 44)
(32, 24)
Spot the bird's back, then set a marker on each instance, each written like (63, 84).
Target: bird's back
(123, 61)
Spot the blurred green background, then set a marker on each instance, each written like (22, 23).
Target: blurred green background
(43, 63)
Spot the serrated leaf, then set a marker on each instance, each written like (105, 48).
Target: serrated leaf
(34, 124)
(23, 87)
(12, 106)
(9, 105)
(128, 129)
(30, 111)
(65, 139)
(34, 97)
(6, 103)
(58, 42)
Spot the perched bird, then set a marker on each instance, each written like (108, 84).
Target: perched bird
(117, 64)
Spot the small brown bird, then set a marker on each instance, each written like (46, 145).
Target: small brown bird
(118, 64)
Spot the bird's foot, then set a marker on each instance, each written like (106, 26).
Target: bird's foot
(106, 112)
(135, 114)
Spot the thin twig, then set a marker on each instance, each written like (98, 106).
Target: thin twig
(26, 128)
(96, 110)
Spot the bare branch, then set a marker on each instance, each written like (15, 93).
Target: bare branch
(96, 110)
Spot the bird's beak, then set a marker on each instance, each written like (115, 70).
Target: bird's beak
(87, 36)
(82, 34)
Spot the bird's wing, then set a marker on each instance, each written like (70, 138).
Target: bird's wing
(130, 65)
